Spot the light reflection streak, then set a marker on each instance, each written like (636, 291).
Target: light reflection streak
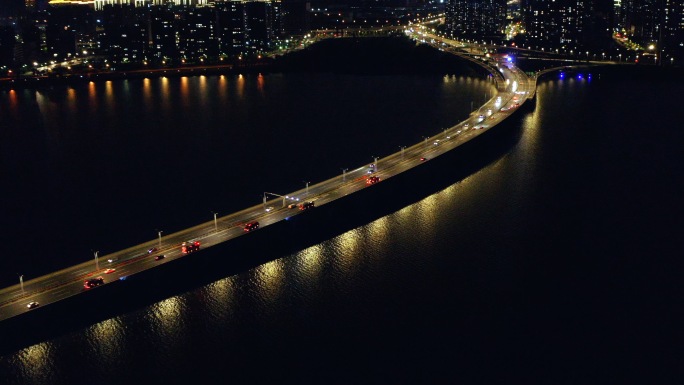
(223, 89)
(270, 279)
(165, 95)
(167, 316)
(240, 86)
(147, 94)
(109, 96)
(36, 362)
(222, 292)
(108, 337)
(203, 90)
(348, 247)
(71, 100)
(92, 97)
(260, 84)
(310, 261)
(185, 92)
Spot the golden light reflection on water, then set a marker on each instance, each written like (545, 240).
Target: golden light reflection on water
(92, 96)
(147, 94)
(109, 95)
(167, 315)
(36, 361)
(108, 338)
(164, 94)
(270, 279)
(185, 91)
(222, 291)
(310, 261)
(223, 89)
(348, 247)
(71, 100)
(240, 86)
(203, 90)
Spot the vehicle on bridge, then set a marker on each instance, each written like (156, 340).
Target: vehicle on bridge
(308, 205)
(373, 180)
(251, 226)
(93, 282)
(32, 305)
(189, 247)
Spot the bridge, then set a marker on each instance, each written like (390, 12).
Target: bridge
(514, 87)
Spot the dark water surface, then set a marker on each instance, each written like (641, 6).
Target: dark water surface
(558, 263)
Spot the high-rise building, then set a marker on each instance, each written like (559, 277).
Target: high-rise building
(231, 27)
(258, 27)
(558, 24)
(126, 33)
(658, 24)
(476, 18)
(197, 34)
(163, 29)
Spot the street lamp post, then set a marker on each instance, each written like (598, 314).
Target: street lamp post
(159, 233)
(307, 187)
(215, 221)
(97, 263)
(21, 283)
(402, 150)
(344, 174)
(375, 162)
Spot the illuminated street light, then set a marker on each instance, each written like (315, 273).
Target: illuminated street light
(344, 174)
(159, 233)
(215, 222)
(97, 263)
(21, 283)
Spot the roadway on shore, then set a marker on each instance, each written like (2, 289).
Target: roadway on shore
(51, 288)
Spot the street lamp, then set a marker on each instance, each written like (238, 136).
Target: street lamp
(159, 233)
(21, 283)
(97, 263)
(402, 150)
(344, 174)
(215, 222)
(307, 186)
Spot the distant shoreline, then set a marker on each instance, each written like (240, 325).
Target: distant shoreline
(78, 78)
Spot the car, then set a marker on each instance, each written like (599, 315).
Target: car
(93, 282)
(159, 257)
(423, 159)
(269, 209)
(373, 180)
(32, 305)
(311, 204)
(152, 250)
(466, 126)
(112, 260)
(292, 206)
(251, 226)
(109, 271)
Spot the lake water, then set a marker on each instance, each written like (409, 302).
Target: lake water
(559, 262)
